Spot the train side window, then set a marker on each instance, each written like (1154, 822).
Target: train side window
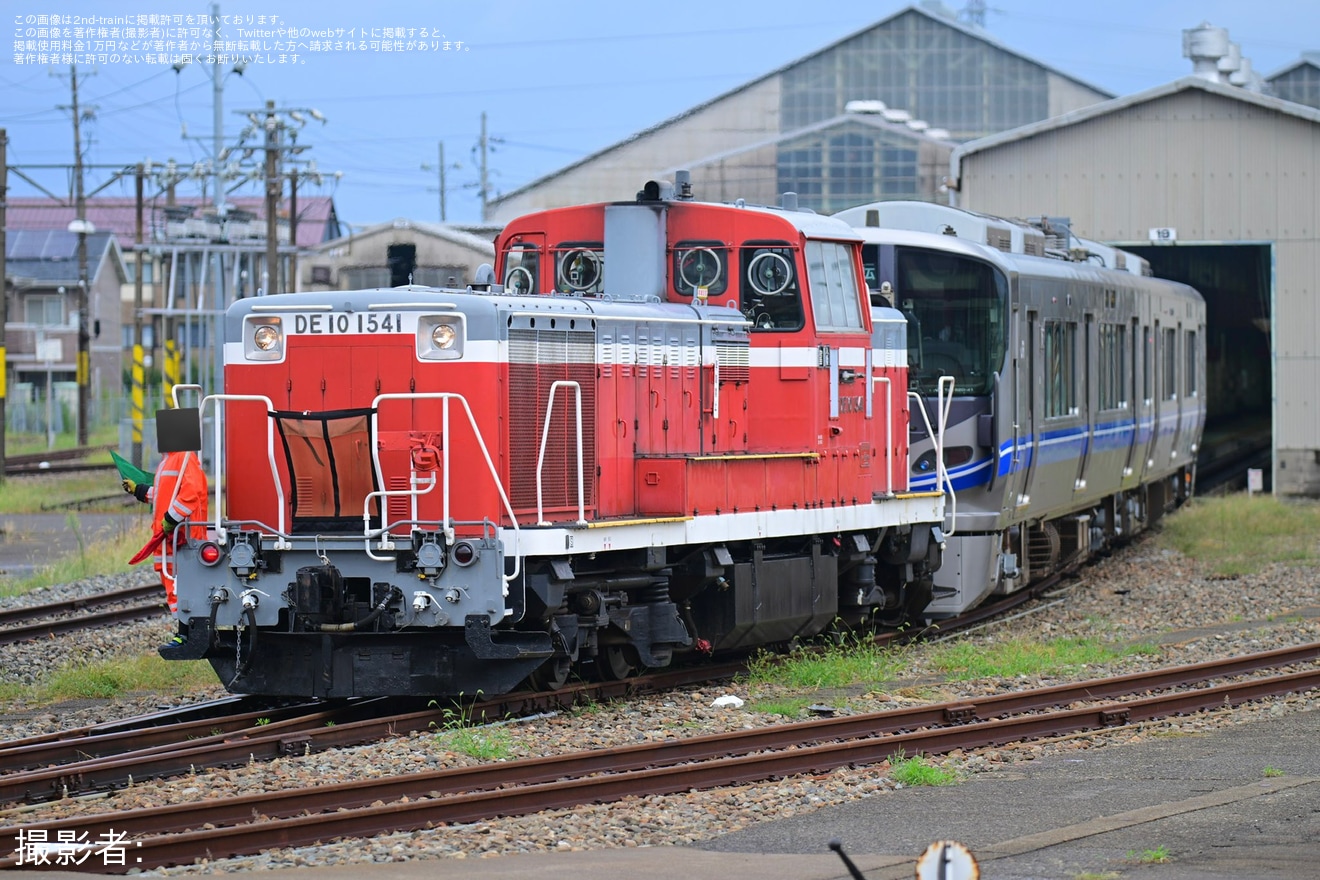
(1113, 366)
(579, 267)
(1147, 364)
(832, 275)
(520, 268)
(1169, 360)
(1060, 368)
(770, 296)
(700, 264)
(1189, 368)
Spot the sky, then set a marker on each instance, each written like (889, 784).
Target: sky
(555, 82)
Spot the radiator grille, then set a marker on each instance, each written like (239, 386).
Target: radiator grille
(538, 359)
(735, 361)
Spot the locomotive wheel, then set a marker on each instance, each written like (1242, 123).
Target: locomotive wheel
(613, 663)
(552, 674)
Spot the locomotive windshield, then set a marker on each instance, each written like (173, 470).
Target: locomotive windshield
(955, 310)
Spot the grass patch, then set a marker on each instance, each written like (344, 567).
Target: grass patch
(101, 555)
(788, 707)
(1157, 856)
(918, 771)
(1240, 534)
(486, 743)
(964, 660)
(830, 666)
(42, 494)
(29, 443)
(1273, 771)
(108, 679)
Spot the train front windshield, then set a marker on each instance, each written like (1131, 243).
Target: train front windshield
(956, 326)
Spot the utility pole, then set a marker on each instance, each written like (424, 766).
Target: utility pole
(218, 119)
(273, 192)
(137, 403)
(293, 229)
(4, 299)
(485, 187)
(84, 335)
(442, 182)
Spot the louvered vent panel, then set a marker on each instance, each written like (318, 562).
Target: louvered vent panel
(400, 508)
(735, 361)
(538, 359)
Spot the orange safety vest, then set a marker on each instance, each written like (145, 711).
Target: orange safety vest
(180, 489)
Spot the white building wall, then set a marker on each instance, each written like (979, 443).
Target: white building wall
(1217, 170)
(617, 174)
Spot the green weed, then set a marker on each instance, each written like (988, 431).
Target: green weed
(1157, 856)
(113, 678)
(917, 771)
(1009, 659)
(1273, 771)
(1240, 534)
(852, 661)
(788, 707)
(457, 734)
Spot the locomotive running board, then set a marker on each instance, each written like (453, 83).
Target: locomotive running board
(511, 646)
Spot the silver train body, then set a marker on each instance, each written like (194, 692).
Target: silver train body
(1058, 390)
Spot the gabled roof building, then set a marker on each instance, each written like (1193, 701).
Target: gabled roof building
(933, 78)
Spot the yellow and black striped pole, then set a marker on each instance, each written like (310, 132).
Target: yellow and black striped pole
(138, 402)
(173, 363)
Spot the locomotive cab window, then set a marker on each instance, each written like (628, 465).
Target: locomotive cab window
(770, 296)
(520, 268)
(955, 311)
(580, 267)
(835, 292)
(700, 264)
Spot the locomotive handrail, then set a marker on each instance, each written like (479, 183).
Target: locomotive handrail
(889, 430)
(444, 397)
(174, 392)
(540, 458)
(942, 405)
(282, 538)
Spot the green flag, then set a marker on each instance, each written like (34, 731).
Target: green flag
(127, 471)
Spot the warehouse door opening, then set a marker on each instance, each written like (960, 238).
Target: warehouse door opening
(1235, 280)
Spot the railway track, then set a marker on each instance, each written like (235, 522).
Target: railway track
(230, 827)
(107, 757)
(54, 461)
(147, 602)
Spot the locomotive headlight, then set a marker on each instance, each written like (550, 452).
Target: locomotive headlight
(444, 336)
(266, 337)
(440, 337)
(263, 338)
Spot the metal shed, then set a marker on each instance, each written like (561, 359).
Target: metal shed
(1216, 186)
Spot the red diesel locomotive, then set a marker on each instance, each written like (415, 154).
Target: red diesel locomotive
(675, 428)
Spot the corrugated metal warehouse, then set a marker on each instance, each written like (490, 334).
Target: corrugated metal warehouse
(1217, 187)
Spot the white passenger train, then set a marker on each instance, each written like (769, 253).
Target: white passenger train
(1058, 389)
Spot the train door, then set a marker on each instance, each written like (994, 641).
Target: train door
(1089, 367)
(1150, 411)
(1010, 463)
(1134, 395)
(1178, 400)
(1025, 455)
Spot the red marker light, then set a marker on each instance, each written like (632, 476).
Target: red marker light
(464, 553)
(209, 553)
